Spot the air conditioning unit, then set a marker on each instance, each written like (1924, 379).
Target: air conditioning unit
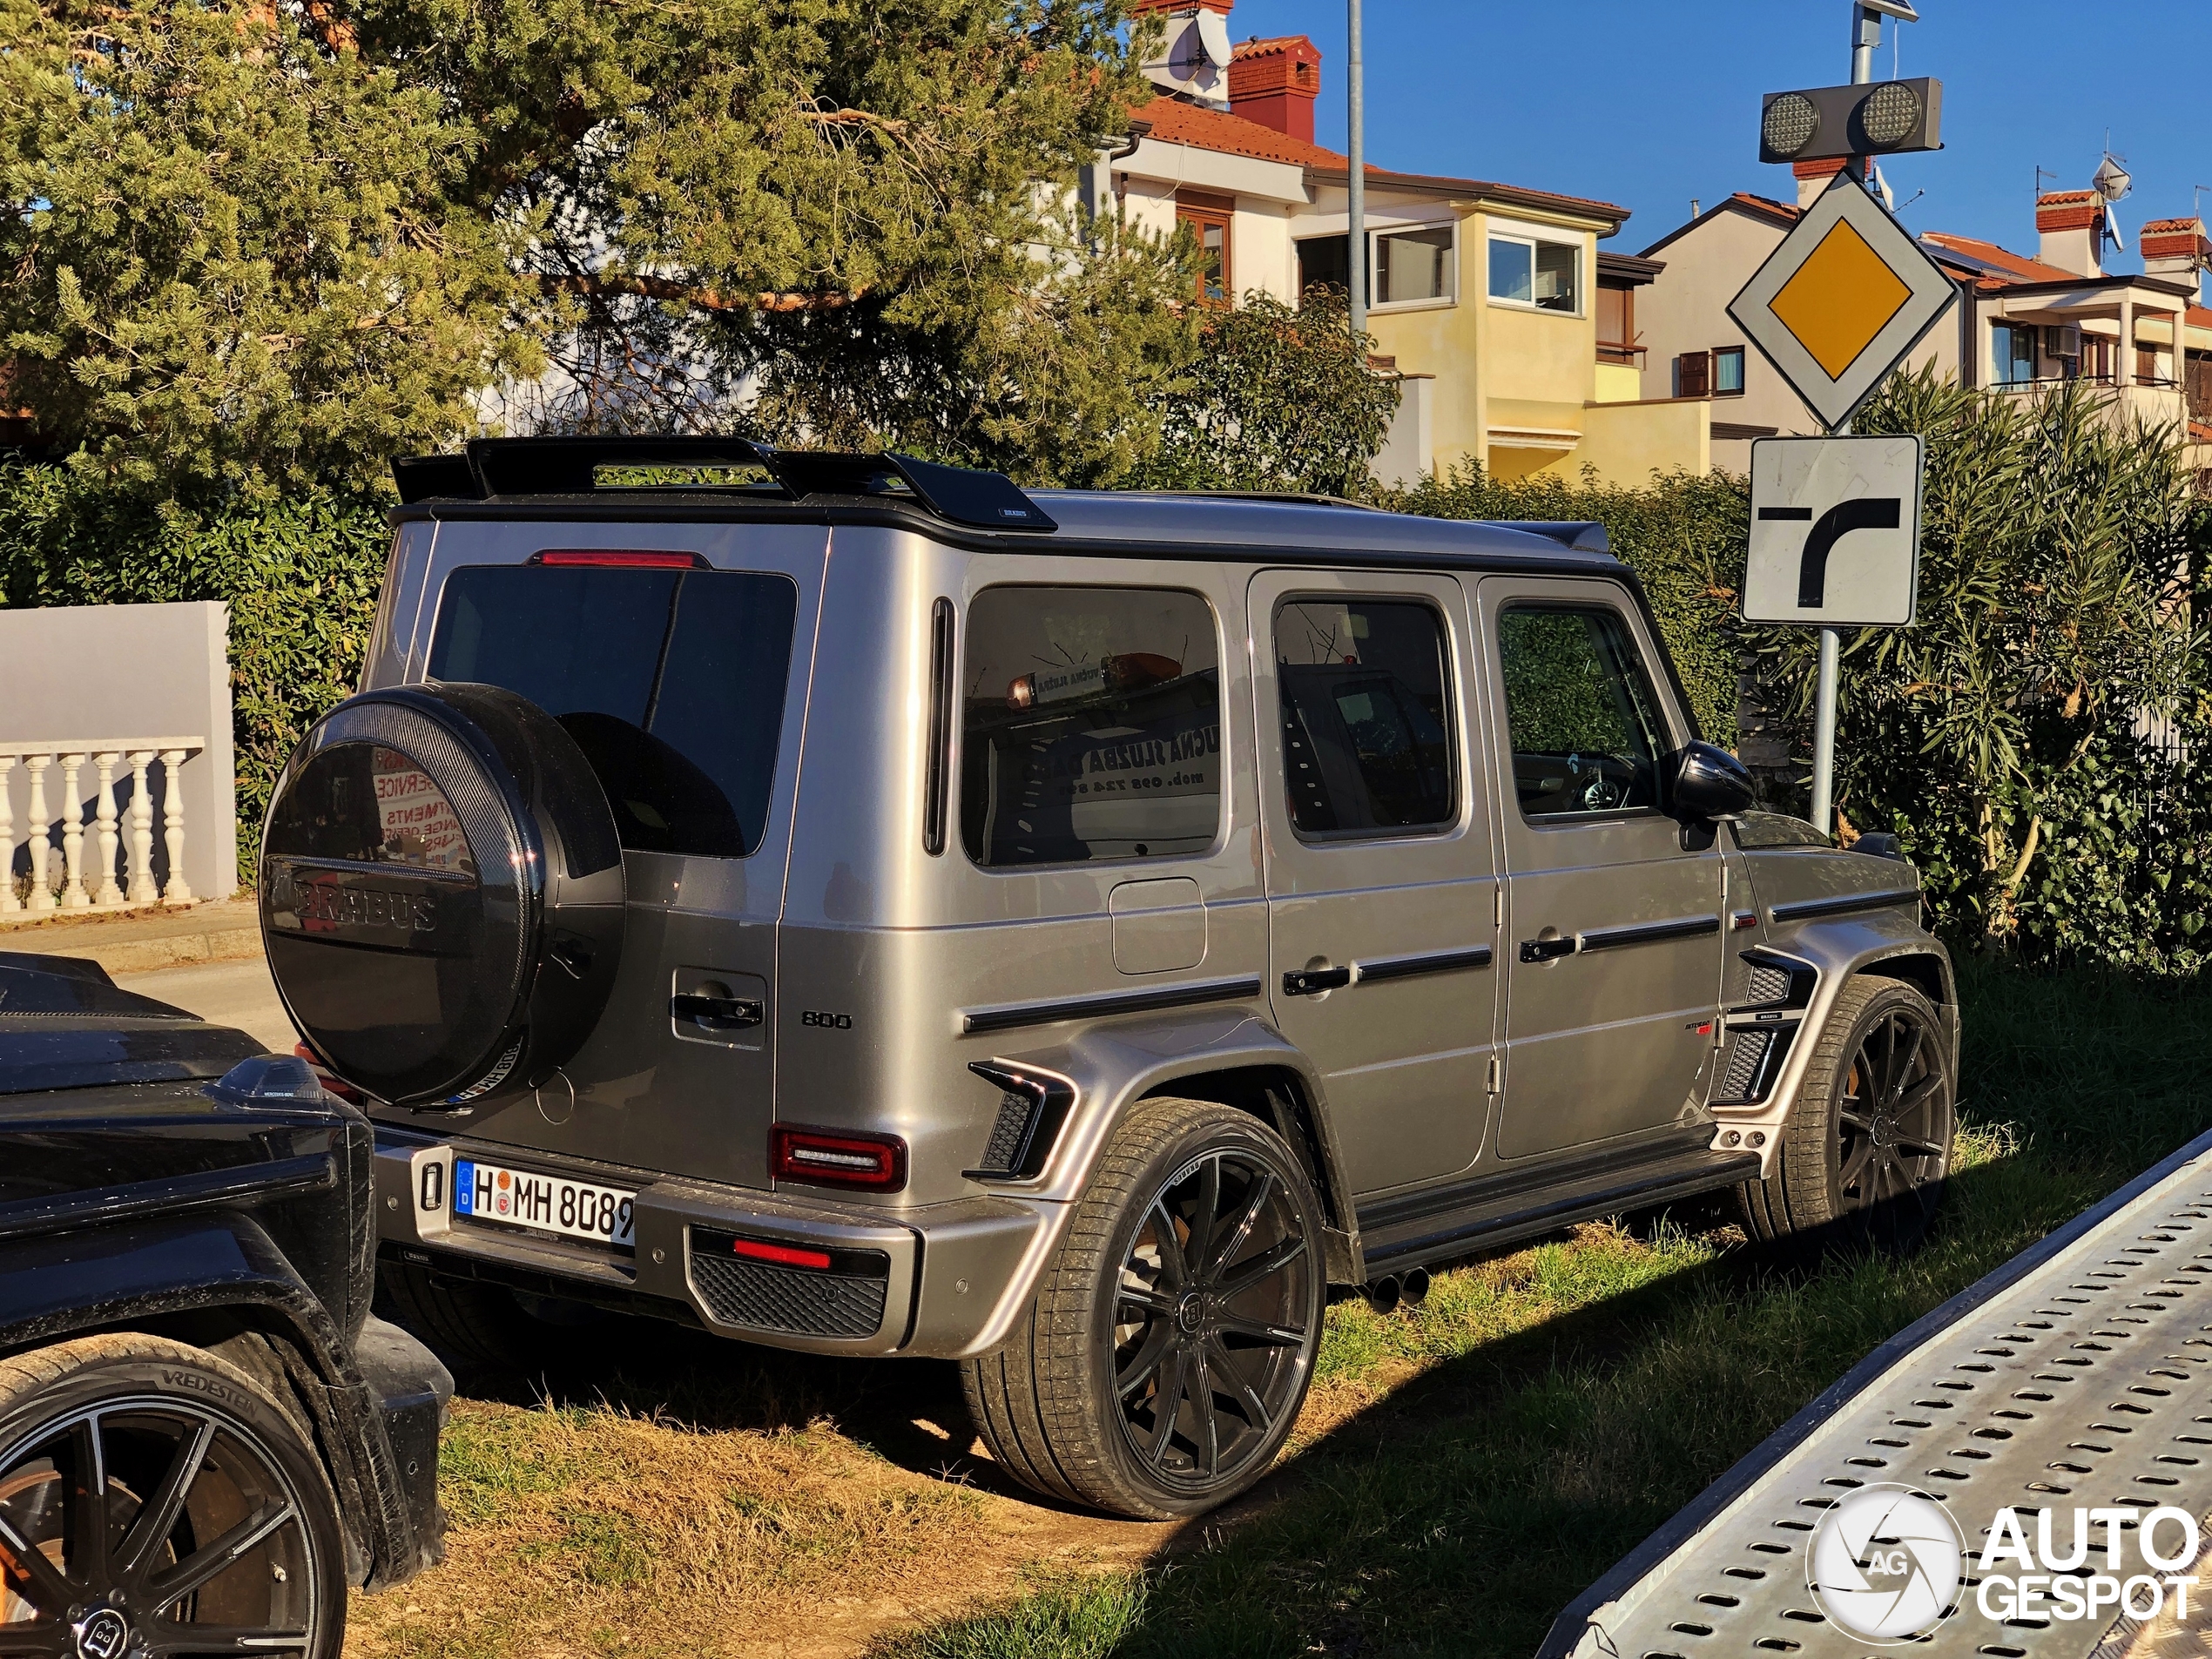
(2062, 340)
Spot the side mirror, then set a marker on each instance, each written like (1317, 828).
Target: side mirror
(1881, 846)
(1711, 785)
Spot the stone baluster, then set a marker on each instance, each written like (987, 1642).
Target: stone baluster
(142, 888)
(41, 889)
(108, 892)
(8, 899)
(172, 826)
(73, 894)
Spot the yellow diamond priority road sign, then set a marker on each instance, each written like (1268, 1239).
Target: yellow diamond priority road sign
(1838, 305)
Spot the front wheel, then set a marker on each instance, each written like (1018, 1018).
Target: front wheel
(1863, 1158)
(154, 1501)
(1162, 1364)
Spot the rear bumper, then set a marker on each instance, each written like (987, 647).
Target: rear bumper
(930, 1281)
(409, 1391)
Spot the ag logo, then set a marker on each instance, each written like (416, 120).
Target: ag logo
(1884, 1564)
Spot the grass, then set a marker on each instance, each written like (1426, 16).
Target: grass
(1466, 1471)
(1461, 1472)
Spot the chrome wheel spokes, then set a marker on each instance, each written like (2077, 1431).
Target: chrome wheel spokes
(1893, 1124)
(1213, 1324)
(154, 1527)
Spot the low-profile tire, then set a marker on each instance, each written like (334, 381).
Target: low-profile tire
(479, 1325)
(1161, 1363)
(220, 1533)
(1866, 1153)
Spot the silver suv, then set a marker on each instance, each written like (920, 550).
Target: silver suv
(851, 905)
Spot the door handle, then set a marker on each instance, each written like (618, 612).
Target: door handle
(1547, 950)
(718, 1013)
(1312, 981)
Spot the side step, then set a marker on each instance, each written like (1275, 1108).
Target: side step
(1429, 1227)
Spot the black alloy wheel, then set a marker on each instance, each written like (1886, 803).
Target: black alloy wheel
(1893, 1121)
(148, 1525)
(1213, 1322)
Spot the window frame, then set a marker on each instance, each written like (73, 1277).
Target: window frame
(1662, 808)
(1713, 374)
(1199, 211)
(1455, 737)
(1438, 302)
(2005, 357)
(956, 758)
(1533, 237)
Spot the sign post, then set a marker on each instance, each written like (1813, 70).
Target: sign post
(1837, 306)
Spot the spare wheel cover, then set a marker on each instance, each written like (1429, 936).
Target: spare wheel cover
(442, 893)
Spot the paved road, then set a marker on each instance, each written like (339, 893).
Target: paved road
(234, 994)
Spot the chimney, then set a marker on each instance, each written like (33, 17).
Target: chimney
(2177, 250)
(1274, 82)
(1184, 64)
(1813, 177)
(2072, 224)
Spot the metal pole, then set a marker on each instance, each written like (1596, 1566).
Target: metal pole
(1866, 34)
(1356, 173)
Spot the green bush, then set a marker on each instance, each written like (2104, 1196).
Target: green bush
(299, 574)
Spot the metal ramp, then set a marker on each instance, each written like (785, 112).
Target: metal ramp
(2080, 1373)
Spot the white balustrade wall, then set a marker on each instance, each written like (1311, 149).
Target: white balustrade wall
(98, 806)
(110, 867)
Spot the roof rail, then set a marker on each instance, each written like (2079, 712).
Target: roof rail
(504, 467)
(1277, 497)
(1583, 535)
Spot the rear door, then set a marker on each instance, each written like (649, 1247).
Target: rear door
(1614, 911)
(679, 661)
(1381, 892)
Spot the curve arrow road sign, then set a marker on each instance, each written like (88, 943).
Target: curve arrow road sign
(1835, 531)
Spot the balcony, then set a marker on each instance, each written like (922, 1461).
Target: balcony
(119, 869)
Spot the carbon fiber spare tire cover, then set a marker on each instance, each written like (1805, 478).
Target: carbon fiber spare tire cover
(442, 893)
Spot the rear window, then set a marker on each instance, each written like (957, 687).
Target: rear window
(1092, 726)
(672, 682)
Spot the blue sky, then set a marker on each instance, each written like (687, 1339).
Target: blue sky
(1650, 102)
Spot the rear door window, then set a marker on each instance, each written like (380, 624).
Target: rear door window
(1366, 722)
(672, 682)
(1091, 725)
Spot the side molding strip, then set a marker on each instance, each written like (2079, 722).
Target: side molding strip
(1438, 962)
(1094, 1008)
(1646, 933)
(1844, 906)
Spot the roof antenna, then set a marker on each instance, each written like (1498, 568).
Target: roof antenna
(2042, 173)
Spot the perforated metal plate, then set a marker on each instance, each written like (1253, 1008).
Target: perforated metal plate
(2078, 1375)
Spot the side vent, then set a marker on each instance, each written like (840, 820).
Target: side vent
(1032, 1108)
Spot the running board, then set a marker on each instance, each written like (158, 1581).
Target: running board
(1489, 1218)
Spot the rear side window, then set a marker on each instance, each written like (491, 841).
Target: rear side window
(1587, 736)
(1366, 720)
(672, 682)
(1091, 725)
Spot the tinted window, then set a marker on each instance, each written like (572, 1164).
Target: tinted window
(672, 682)
(1586, 735)
(1092, 726)
(1366, 722)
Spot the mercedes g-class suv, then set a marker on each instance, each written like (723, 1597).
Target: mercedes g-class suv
(205, 1434)
(853, 905)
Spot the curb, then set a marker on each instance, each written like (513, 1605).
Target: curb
(214, 944)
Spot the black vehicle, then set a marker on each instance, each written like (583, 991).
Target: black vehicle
(205, 1437)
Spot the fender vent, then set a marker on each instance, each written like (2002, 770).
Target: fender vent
(1746, 1058)
(1768, 985)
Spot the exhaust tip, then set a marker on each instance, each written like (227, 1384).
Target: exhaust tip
(1383, 1294)
(1412, 1290)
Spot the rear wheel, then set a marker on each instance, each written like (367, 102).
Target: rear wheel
(154, 1501)
(1865, 1154)
(1170, 1343)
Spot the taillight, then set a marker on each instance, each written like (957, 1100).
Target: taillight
(783, 1255)
(344, 1091)
(836, 1158)
(621, 558)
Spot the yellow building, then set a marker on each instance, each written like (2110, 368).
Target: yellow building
(1514, 334)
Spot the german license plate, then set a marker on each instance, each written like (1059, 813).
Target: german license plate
(551, 1204)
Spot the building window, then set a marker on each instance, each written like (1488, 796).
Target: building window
(1526, 270)
(1728, 371)
(1323, 262)
(2012, 355)
(1208, 220)
(1616, 327)
(1694, 375)
(1415, 266)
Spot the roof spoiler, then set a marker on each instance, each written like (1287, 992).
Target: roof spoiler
(1583, 535)
(507, 468)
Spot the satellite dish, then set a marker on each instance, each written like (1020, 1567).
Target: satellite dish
(2111, 229)
(1213, 38)
(2113, 181)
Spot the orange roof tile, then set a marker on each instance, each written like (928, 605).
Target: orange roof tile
(2157, 225)
(2017, 266)
(1273, 46)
